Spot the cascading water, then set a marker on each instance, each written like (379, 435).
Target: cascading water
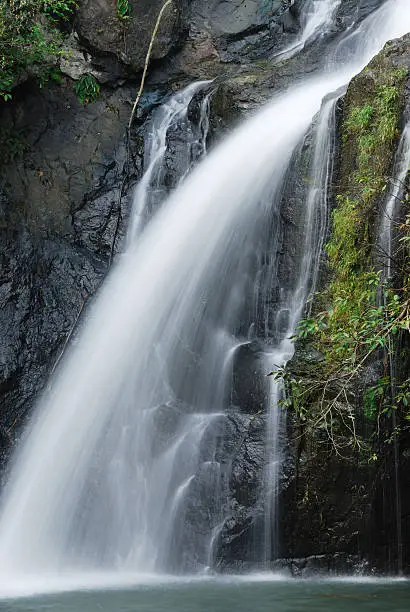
(291, 307)
(150, 191)
(101, 496)
(124, 437)
(385, 253)
(386, 228)
(317, 18)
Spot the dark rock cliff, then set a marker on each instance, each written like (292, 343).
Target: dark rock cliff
(347, 497)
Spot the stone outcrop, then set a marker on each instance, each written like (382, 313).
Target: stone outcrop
(348, 499)
(104, 31)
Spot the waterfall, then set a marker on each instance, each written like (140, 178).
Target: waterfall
(149, 192)
(385, 244)
(124, 442)
(317, 17)
(314, 222)
(400, 171)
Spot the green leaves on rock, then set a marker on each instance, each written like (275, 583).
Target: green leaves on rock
(30, 39)
(87, 89)
(358, 319)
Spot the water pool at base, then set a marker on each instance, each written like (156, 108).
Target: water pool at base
(237, 595)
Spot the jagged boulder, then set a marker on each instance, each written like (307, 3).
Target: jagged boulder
(105, 32)
(59, 214)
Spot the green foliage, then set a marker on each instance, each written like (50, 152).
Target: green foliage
(59, 10)
(347, 245)
(87, 89)
(361, 317)
(388, 100)
(403, 396)
(123, 9)
(30, 41)
(295, 393)
(356, 325)
(353, 322)
(370, 130)
(7, 80)
(360, 118)
(373, 399)
(52, 74)
(12, 146)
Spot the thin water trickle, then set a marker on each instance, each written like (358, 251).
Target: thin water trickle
(150, 192)
(313, 222)
(385, 244)
(131, 417)
(396, 188)
(317, 18)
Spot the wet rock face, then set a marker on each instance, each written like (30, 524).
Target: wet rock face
(348, 502)
(60, 221)
(238, 31)
(102, 29)
(44, 284)
(355, 10)
(243, 451)
(236, 17)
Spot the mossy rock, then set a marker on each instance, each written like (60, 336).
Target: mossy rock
(373, 108)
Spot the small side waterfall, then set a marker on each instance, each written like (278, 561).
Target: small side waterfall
(291, 307)
(122, 449)
(386, 229)
(317, 18)
(150, 192)
(385, 246)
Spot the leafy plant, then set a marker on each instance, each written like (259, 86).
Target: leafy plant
(123, 9)
(360, 118)
(373, 398)
(6, 83)
(360, 319)
(12, 146)
(59, 10)
(87, 89)
(52, 74)
(30, 40)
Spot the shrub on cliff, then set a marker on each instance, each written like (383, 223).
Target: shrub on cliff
(30, 39)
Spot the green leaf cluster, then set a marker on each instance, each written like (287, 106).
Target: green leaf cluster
(87, 89)
(358, 316)
(12, 145)
(123, 9)
(30, 38)
(354, 323)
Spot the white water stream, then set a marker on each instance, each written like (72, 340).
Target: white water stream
(396, 188)
(386, 246)
(119, 439)
(317, 18)
(149, 192)
(314, 223)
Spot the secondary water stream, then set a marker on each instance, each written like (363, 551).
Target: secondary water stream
(173, 114)
(292, 303)
(317, 18)
(396, 188)
(387, 249)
